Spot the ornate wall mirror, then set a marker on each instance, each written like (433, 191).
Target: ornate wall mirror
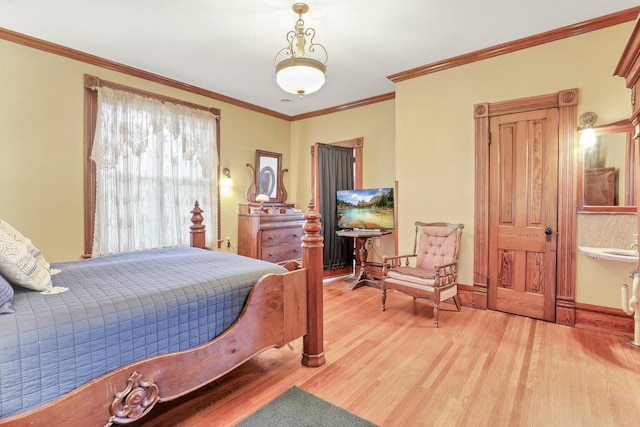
(606, 172)
(267, 177)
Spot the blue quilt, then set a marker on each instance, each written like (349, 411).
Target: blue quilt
(118, 309)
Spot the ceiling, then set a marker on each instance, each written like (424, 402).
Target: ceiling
(229, 47)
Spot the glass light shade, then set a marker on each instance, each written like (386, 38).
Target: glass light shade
(262, 198)
(300, 76)
(226, 182)
(588, 137)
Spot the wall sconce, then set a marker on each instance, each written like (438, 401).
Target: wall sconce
(587, 132)
(226, 182)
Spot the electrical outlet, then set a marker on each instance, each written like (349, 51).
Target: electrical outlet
(228, 240)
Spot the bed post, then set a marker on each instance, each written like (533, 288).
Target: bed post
(312, 244)
(197, 229)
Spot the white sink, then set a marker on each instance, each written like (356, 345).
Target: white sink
(611, 254)
(622, 252)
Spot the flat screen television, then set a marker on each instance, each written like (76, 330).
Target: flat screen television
(365, 209)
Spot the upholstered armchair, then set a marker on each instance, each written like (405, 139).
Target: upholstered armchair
(431, 271)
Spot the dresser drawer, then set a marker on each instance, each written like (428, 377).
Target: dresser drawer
(271, 237)
(282, 252)
(281, 236)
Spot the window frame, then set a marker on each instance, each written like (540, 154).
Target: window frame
(90, 119)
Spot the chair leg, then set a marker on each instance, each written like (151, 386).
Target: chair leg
(436, 306)
(457, 301)
(383, 292)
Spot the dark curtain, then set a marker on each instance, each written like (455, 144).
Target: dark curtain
(335, 172)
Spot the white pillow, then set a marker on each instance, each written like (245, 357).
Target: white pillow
(19, 237)
(17, 265)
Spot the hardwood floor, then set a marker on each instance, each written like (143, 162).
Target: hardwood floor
(393, 368)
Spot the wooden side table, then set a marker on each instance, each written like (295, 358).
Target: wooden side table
(363, 237)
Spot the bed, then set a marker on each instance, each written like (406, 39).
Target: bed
(128, 334)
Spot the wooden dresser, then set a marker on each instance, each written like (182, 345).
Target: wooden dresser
(271, 237)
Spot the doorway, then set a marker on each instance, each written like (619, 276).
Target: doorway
(357, 146)
(508, 278)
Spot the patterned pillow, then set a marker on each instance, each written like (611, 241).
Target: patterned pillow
(6, 296)
(18, 237)
(20, 267)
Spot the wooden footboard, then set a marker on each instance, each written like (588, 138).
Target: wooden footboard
(279, 309)
(275, 314)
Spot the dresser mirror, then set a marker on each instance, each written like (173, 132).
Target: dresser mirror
(606, 172)
(267, 178)
(267, 171)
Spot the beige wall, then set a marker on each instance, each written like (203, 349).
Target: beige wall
(41, 146)
(434, 124)
(376, 125)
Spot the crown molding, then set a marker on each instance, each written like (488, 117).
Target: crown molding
(77, 55)
(549, 36)
(524, 43)
(347, 106)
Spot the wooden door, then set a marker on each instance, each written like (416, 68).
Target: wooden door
(523, 205)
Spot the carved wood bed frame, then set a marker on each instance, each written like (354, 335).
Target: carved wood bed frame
(280, 308)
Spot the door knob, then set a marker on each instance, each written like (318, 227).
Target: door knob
(548, 232)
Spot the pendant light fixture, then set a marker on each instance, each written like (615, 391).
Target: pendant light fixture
(300, 66)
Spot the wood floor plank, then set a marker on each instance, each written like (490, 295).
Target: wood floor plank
(480, 368)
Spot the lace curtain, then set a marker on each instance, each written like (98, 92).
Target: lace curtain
(153, 160)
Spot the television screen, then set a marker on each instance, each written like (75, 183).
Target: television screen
(368, 208)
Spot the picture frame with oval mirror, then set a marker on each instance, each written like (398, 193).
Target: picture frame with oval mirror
(606, 172)
(267, 179)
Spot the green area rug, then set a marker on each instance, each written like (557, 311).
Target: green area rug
(296, 407)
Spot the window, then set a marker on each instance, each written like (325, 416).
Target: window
(149, 159)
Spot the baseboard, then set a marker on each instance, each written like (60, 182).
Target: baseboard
(603, 319)
(565, 311)
(465, 293)
(592, 317)
(337, 272)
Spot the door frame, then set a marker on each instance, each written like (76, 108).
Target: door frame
(567, 103)
(358, 148)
